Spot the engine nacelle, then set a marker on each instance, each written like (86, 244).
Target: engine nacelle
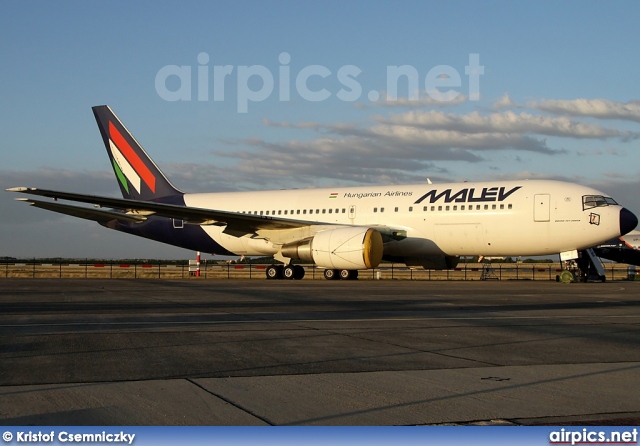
(341, 248)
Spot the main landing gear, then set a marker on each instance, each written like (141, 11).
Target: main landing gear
(289, 272)
(344, 274)
(296, 272)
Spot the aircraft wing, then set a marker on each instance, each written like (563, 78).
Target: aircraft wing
(134, 210)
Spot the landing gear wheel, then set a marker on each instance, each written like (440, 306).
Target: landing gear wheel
(298, 272)
(331, 274)
(566, 277)
(289, 272)
(293, 272)
(348, 274)
(274, 272)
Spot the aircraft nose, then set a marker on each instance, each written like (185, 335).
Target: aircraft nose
(628, 221)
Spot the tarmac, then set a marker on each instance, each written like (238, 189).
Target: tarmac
(250, 352)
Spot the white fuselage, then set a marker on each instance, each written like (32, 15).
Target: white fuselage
(632, 240)
(507, 218)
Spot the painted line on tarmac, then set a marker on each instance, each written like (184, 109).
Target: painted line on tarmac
(297, 321)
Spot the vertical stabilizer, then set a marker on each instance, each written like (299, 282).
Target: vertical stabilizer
(138, 176)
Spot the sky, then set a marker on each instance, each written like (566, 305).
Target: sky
(252, 95)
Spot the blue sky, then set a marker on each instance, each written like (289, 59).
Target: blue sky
(558, 99)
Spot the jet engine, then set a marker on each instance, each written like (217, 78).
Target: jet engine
(348, 248)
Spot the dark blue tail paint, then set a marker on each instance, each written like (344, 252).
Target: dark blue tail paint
(161, 229)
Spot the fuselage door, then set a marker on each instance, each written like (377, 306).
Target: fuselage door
(352, 213)
(541, 207)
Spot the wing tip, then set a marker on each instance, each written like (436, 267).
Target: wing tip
(18, 189)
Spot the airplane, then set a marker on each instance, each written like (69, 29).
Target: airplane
(621, 249)
(345, 229)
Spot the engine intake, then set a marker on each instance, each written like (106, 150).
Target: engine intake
(342, 248)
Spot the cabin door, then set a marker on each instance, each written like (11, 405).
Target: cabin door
(541, 207)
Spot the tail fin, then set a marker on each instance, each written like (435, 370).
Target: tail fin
(138, 176)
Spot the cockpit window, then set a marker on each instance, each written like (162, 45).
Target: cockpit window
(594, 201)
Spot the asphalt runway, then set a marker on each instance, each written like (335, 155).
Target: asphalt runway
(239, 352)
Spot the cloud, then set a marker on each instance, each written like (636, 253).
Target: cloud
(403, 141)
(504, 102)
(448, 144)
(424, 100)
(611, 151)
(594, 108)
(297, 125)
(349, 160)
(505, 122)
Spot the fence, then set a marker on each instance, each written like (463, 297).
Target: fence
(140, 270)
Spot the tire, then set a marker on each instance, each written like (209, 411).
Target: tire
(289, 272)
(331, 274)
(348, 274)
(567, 277)
(274, 272)
(298, 272)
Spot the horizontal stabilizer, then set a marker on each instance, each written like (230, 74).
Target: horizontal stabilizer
(99, 215)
